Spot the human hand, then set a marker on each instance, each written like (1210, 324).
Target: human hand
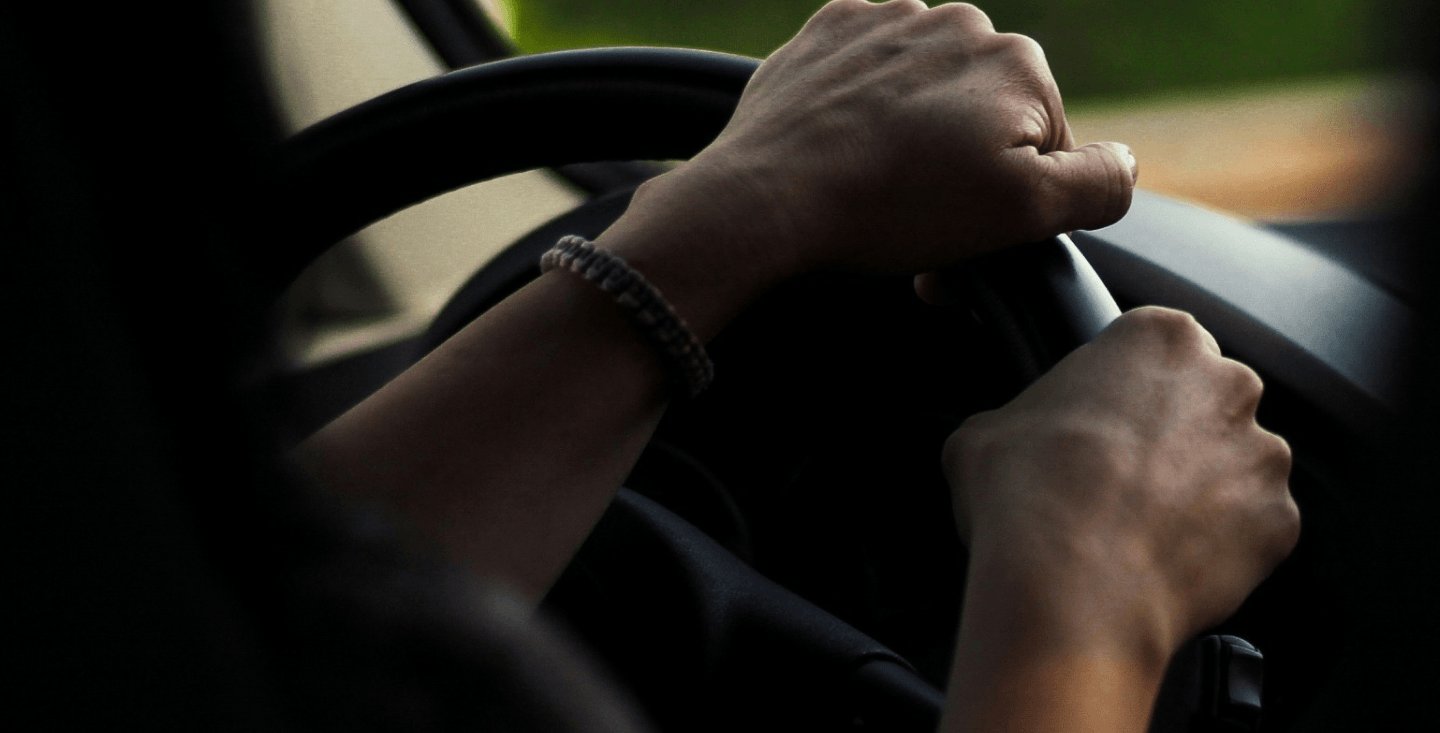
(1128, 491)
(897, 138)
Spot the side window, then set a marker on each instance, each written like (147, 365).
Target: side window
(386, 282)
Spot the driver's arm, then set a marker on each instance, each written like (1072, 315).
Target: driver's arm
(883, 138)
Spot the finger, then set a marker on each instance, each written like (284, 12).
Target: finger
(1174, 330)
(1085, 188)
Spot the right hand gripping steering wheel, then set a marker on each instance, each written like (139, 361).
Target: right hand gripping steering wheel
(705, 640)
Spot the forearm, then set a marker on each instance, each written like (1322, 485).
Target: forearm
(1023, 688)
(507, 443)
(1051, 661)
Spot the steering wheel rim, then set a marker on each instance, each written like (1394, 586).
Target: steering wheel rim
(589, 106)
(439, 134)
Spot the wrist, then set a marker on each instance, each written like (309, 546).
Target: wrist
(1028, 658)
(711, 238)
(1074, 602)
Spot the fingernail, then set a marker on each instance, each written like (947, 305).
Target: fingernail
(1134, 165)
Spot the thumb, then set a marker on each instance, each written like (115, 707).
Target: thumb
(1085, 188)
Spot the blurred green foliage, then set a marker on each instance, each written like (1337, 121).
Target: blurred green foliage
(1097, 48)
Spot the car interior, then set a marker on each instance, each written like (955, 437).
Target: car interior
(784, 553)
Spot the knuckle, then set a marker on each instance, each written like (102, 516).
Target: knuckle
(962, 19)
(967, 434)
(841, 10)
(1293, 523)
(960, 11)
(908, 7)
(1029, 72)
(1277, 514)
(951, 455)
(974, 14)
(1022, 46)
(1028, 69)
(1281, 457)
(967, 442)
(1245, 384)
(863, 12)
(1176, 338)
(1284, 528)
(1170, 325)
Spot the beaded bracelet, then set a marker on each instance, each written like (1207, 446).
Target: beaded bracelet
(690, 367)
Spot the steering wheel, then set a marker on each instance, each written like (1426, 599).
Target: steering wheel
(773, 474)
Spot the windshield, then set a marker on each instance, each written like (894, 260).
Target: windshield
(1286, 110)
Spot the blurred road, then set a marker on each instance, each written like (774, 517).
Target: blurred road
(1302, 151)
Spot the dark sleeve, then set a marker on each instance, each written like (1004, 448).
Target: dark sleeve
(373, 635)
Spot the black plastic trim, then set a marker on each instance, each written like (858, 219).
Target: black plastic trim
(1335, 338)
